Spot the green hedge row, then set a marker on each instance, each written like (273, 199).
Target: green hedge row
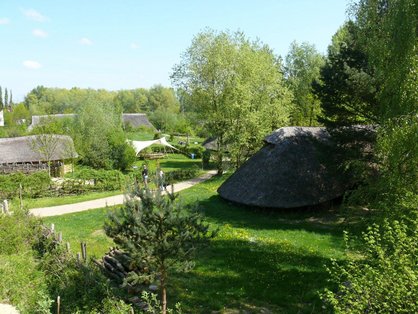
(33, 185)
(181, 175)
(93, 180)
(197, 150)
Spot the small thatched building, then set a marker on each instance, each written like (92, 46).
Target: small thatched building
(32, 153)
(288, 172)
(136, 120)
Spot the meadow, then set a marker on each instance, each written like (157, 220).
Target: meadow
(261, 260)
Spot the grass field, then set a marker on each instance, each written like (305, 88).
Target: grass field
(62, 200)
(261, 260)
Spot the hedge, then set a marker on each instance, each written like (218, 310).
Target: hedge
(33, 185)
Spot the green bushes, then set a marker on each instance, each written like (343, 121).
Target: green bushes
(93, 180)
(180, 175)
(33, 185)
(197, 150)
(22, 284)
(385, 280)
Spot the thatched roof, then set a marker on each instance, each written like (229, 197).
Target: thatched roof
(39, 119)
(28, 148)
(286, 173)
(210, 143)
(136, 120)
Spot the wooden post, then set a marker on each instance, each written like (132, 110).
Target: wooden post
(58, 304)
(78, 257)
(84, 250)
(6, 206)
(20, 196)
(52, 228)
(68, 246)
(60, 237)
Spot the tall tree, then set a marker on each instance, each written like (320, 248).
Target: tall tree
(347, 87)
(302, 68)
(389, 31)
(236, 87)
(11, 98)
(6, 97)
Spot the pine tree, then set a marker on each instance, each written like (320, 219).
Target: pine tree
(6, 97)
(11, 98)
(159, 234)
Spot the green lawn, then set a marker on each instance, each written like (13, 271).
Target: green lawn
(260, 259)
(170, 163)
(62, 200)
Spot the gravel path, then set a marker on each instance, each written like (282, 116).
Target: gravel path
(109, 201)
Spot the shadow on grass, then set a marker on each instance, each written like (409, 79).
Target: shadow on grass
(249, 275)
(319, 220)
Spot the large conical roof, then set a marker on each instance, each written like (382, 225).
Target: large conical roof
(287, 172)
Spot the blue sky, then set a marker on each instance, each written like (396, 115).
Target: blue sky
(135, 43)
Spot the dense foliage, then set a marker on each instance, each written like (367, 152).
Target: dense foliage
(236, 88)
(33, 185)
(384, 279)
(302, 67)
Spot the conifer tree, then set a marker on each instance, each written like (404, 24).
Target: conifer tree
(6, 97)
(160, 235)
(11, 98)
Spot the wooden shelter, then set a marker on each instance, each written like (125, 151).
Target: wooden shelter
(32, 153)
(288, 172)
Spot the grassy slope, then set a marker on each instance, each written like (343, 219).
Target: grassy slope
(259, 259)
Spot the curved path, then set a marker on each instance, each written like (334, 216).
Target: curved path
(109, 201)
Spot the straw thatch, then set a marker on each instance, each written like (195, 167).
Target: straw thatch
(136, 120)
(26, 149)
(286, 173)
(39, 119)
(210, 143)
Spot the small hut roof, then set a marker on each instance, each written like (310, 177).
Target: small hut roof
(210, 143)
(24, 149)
(38, 119)
(136, 120)
(286, 172)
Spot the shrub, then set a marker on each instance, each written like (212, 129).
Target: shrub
(18, 232)
(22, 284)
(385, 281)
(103, 180)
(80, 285)
(206, 158)
(180, 175)
(33, 185)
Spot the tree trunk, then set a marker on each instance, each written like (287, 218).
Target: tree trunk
(163, 291)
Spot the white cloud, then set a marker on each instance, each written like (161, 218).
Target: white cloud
(4, 21)
(86, 41)
(34, 15)
(39, 33)
(32, 65)
(134, 46)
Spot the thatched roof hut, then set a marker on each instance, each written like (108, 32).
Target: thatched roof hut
(286, 173)
(36, 120)
(26, 149)
(136, 120)
(210, 143)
